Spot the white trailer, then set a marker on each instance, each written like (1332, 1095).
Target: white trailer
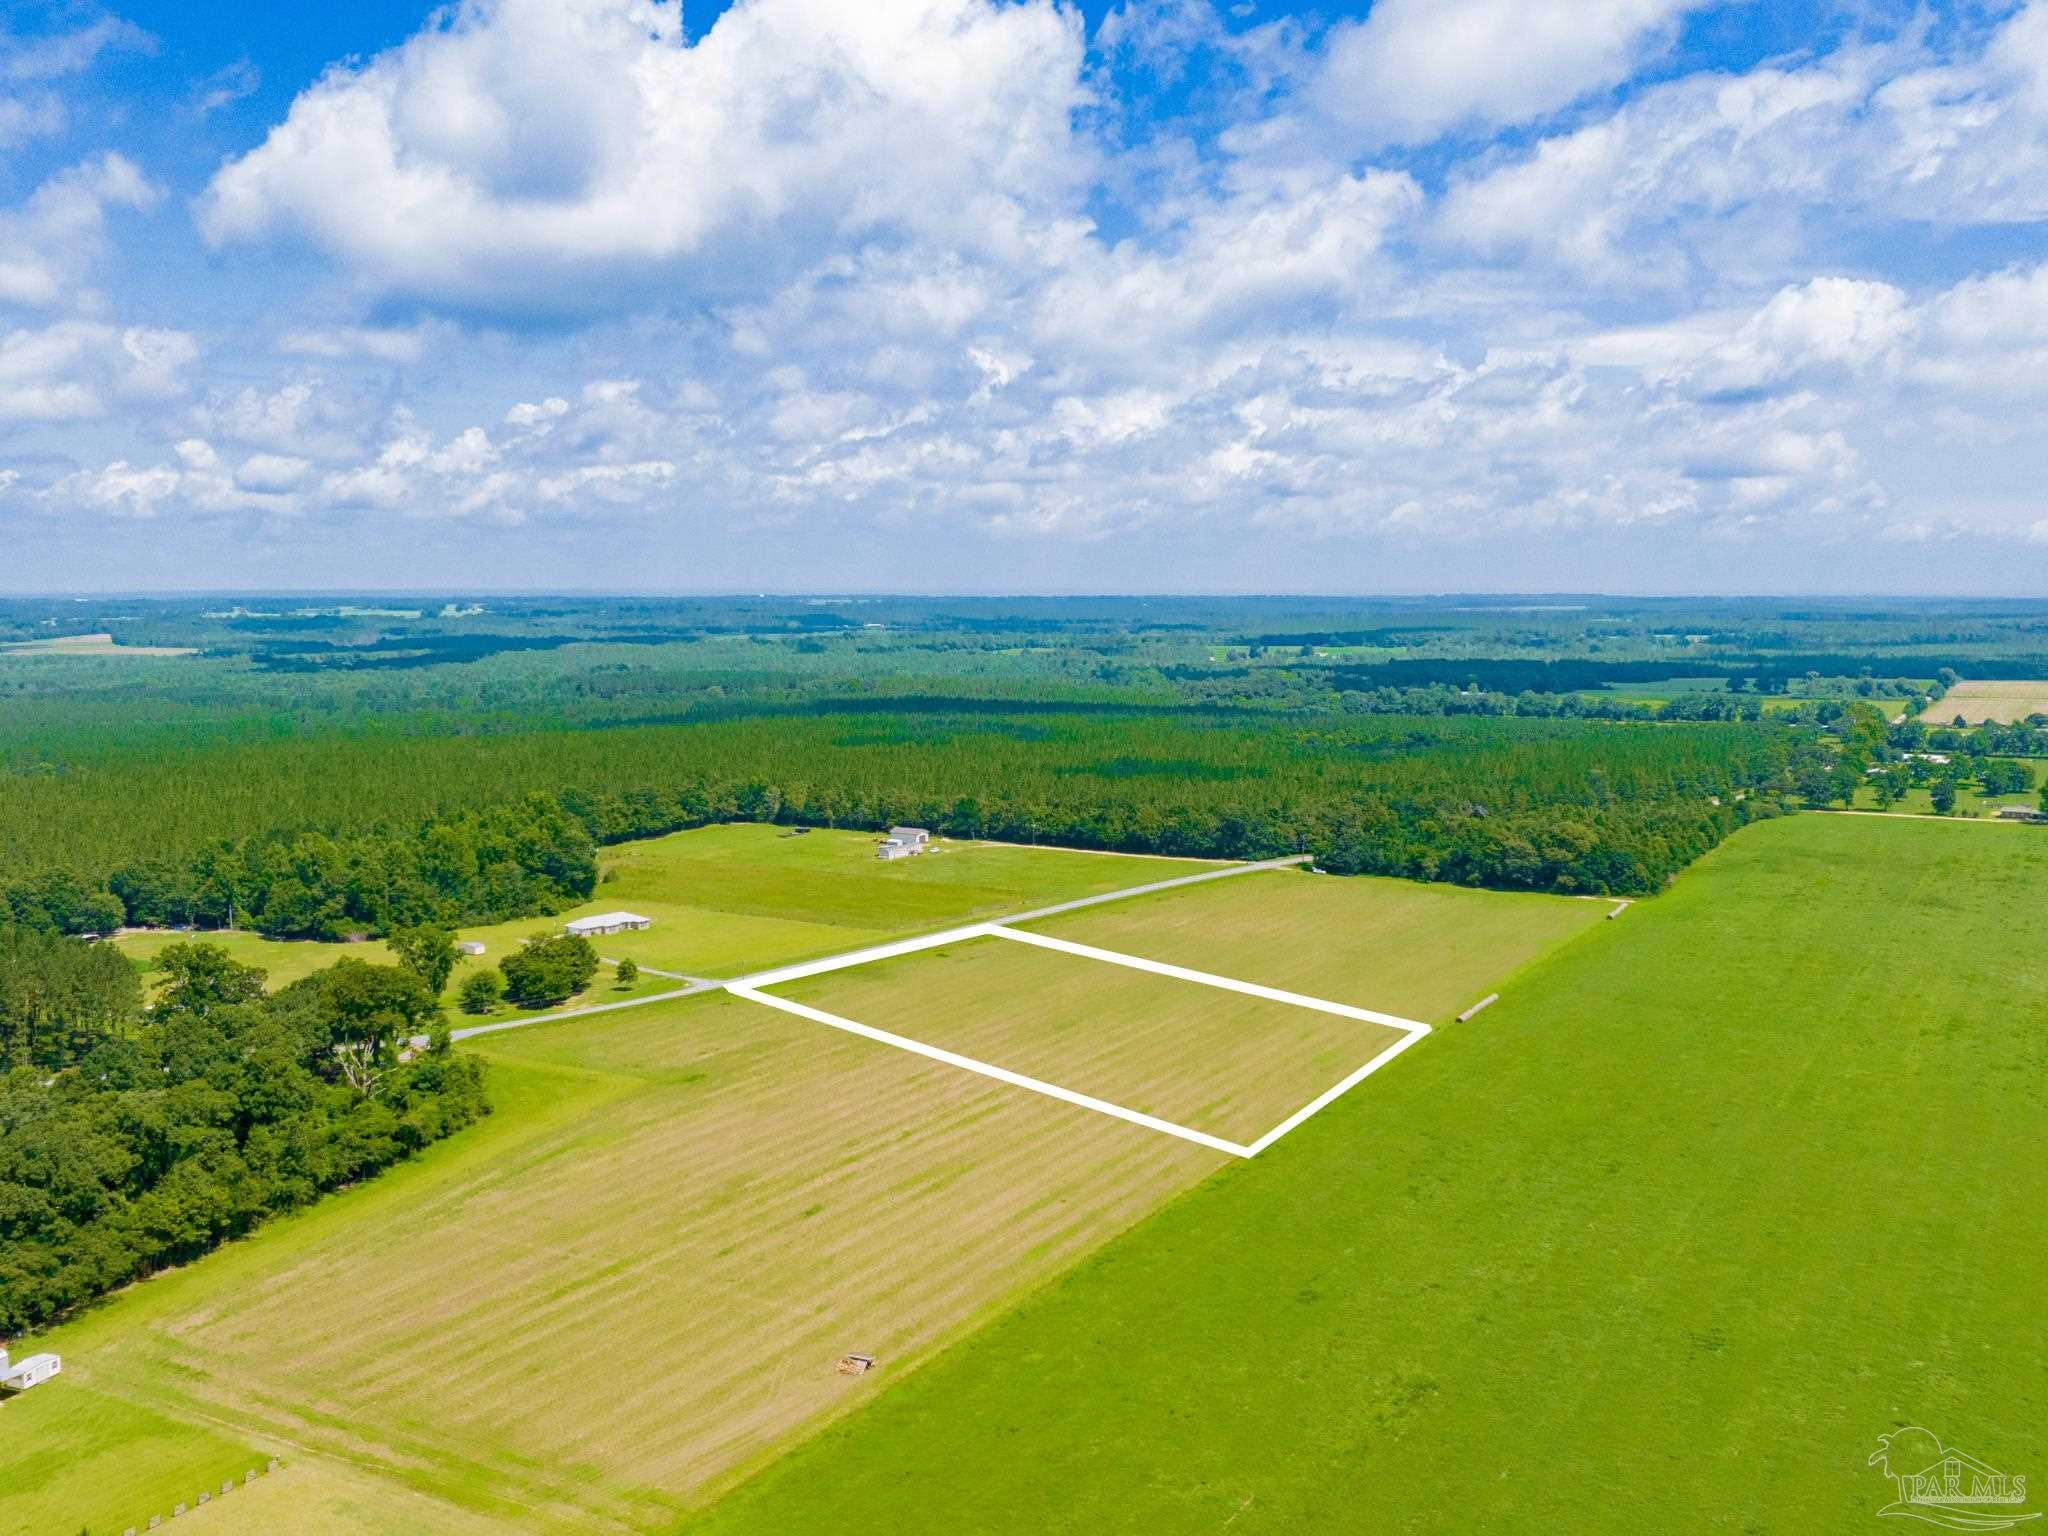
(23, 1374)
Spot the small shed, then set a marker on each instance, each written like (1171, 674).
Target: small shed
(470, 947)
(23, 1374)
(855, 1365)
(607, 922)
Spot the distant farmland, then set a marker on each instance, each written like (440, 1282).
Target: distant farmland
(1977, 702)
(88, 645)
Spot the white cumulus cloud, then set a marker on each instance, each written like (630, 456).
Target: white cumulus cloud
(520, 137)
(50, 244)
(1415, 68)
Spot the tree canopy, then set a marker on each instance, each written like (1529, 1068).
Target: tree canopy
(138, 1139)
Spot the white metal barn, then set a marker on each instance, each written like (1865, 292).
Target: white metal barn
(607, 922)
(23, 1374)
(902, 842)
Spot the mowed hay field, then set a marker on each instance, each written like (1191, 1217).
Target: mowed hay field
(321, 1497)
(88, 645)
(637, 1277)
(623, 1291)
(1419, 951)
(1209, 1059)
(1663, 1241)
(1979, 701)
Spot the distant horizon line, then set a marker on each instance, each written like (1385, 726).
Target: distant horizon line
(853, 595)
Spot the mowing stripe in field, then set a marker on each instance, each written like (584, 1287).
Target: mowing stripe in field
(1000, 1074)
(1205, 978)
(1412, 1030)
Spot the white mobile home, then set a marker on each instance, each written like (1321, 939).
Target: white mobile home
(902, 842)
(23, 1374)
(607, 922)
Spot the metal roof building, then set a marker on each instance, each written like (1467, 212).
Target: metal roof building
(607, 922)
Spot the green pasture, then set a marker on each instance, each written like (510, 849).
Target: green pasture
(730, 899)
(283, 961)
(1665, 1240)
(1664, 690)
(76, 1458)
(833, 877)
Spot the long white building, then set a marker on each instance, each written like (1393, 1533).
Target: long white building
(20, 1375)
(607, 922)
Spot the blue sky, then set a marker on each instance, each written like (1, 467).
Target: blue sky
(1640, 295)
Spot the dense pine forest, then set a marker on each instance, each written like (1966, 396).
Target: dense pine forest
(321, 770)
(321, 836)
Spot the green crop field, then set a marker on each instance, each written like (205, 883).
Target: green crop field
(1665, 1240)
(626, 1289)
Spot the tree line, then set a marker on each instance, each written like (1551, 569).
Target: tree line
(133, 1137)
(1460, 798)
(480, 866)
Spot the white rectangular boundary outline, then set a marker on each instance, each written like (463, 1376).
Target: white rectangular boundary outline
(750, 987)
